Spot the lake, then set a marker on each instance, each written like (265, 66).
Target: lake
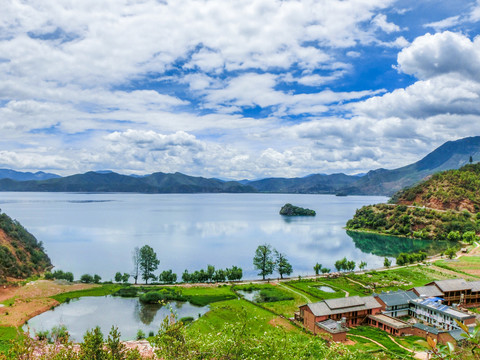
(96, 233)
(128, 314)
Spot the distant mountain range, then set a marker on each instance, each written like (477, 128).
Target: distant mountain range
(451, 155)
(25, 176)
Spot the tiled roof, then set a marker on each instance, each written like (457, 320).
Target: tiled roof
(396, 298)
(452, 285)
(428, 291)
(341, 305)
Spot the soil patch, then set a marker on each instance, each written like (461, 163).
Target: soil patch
(281, 322)
(32, 299)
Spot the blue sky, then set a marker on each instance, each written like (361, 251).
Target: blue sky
(235, 89)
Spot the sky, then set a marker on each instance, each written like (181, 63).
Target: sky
(241, 89)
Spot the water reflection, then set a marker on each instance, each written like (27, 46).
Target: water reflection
(126, 313)
(392, 246)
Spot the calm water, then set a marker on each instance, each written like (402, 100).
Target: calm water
(128, 314)
(96, 233)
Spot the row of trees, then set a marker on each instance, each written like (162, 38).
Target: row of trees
(349, 265)
(267, 259)
(405, 258)
(212, 274)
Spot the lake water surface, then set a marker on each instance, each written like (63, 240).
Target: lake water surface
(96, 233)
(128, 314)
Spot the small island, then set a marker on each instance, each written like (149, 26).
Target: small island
(290, 210)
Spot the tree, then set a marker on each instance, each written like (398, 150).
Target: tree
(451, 252)
(86, 278)
(220, 275)
(469, 236)
(125, 278)
(317, 268)
(341, 264)
(282, 264)
(235, 273)
(263, 260)
(325, 270)
(186, 277)
(136, 263)
(210, 272)
(97, 278)
(118, 277)
(387, 262)
(168, 277)
(362, 265)
(148, 263)
(350, 265)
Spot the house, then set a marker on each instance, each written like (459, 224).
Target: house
(395, 303)
(353, 309)
(389, 324)
(459, 291)
(435, 313)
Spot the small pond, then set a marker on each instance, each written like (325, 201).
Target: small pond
(326, 289)
(128, 314)
(250, 295)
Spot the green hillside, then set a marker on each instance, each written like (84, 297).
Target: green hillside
(444, 207)
(21, 255)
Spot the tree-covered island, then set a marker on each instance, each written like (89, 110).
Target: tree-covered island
(291, 210)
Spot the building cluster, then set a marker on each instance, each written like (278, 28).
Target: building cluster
(432, 310)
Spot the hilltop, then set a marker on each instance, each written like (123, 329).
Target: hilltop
(446, 206)
(21, 255)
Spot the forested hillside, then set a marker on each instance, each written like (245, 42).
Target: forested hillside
(21, 255)
(444, 207)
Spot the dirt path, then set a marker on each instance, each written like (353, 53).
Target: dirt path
(296, 292)
(366, 338)
(422, 355)
(32, 299)
(356, 282)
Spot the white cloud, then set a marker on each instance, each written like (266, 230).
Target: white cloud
(444, 24)
(380, 21)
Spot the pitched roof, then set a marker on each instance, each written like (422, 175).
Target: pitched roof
(341, 305)
(452, 285)
(428, 291)
(395, 298)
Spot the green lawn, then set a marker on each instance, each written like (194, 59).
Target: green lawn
(403, 278)
(234, 311)
(468, 265)
(379, 336)
(103, 290)
(311, 289)
(6, 335)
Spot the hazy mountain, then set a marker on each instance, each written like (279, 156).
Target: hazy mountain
(311, 184)
(113, 182)
(24, 176)
(451, 155)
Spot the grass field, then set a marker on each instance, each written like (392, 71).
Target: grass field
(381, 337)
(403, 278)
(103, 290)
(6, 335)
(465, 264)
